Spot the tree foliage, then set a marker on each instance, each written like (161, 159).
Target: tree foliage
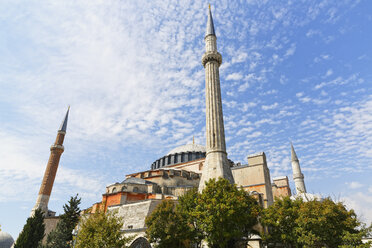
(186, 209)
(325, 222)
(102, 230)
(312, 224)
(220, 215)
(33, 231)
(61, 237)
(280, 218)
(166, 227)
(225, 213)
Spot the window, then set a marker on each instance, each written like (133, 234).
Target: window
(135, 189)
(123, 188)
(113, 190)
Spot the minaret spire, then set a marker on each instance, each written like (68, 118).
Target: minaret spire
(216, 163)
(293, 154)
(298, 177)
(63, 126)
(56, 151)
(210, 25)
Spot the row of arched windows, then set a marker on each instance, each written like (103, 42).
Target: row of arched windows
(177, 158)
(114, 189)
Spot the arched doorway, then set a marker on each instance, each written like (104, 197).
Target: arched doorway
(140, 242)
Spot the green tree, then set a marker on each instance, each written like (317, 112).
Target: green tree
(61, 236)
(326, 223)
(166, 227)
(225, 213)
(186, 209)
(174, 224)
(101, 230)
(280, 220)
(33, 231)
(312, 224)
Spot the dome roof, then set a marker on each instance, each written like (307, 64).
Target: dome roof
(6, 240)
(188, 148)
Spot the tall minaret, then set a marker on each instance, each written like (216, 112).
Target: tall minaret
(56, 151)
(216, 163)
(298, 177)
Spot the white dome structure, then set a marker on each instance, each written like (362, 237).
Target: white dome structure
(6, 240)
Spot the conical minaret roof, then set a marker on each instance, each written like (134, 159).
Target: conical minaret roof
(293, 153)
(63, 126)
(210, 25)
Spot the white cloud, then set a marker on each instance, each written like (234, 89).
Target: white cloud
(322, 57)
(354, 185)
(299, 94)
(290, 50)
(359, 202)
(329, 73)
(234, 76)
(269, 107)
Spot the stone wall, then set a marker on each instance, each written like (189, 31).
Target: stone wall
(134, 214)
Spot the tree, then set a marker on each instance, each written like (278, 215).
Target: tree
(166, 227)
(225, 213)
(174, 225)
(312, 224)
(186, 208)
(280, 218)
(101, 230)
(33, 231)
(326, 223)
(61, 237)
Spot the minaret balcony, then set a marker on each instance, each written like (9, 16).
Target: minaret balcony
(212, 57)
(57, 147)
(298, 176)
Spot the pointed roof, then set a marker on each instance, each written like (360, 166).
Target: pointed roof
(210, 26)
(63, 126)
(293, 153)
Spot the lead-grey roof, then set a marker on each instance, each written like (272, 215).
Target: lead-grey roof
(63, 126)
(188, 148)
(293, 153)
(210, 26)
(136, 180)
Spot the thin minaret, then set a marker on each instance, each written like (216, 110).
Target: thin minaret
(56, 151)
(298, 177)
(216, 163)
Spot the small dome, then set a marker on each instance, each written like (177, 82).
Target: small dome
(6, 240)
(188, 148)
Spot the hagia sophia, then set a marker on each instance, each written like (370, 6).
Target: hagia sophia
(183, 168)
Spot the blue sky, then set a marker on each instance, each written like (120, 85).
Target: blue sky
(132, 73)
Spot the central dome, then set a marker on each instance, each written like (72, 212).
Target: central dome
(187, 148)
(181, 154)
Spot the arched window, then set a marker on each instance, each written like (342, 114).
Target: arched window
(113, 190)
(140, 243)
(123, 188)
(135, 189)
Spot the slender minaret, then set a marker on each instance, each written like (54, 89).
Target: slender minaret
(298, 177)
(56, 151)
(216, 163)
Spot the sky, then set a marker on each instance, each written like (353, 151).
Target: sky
(131, 71)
